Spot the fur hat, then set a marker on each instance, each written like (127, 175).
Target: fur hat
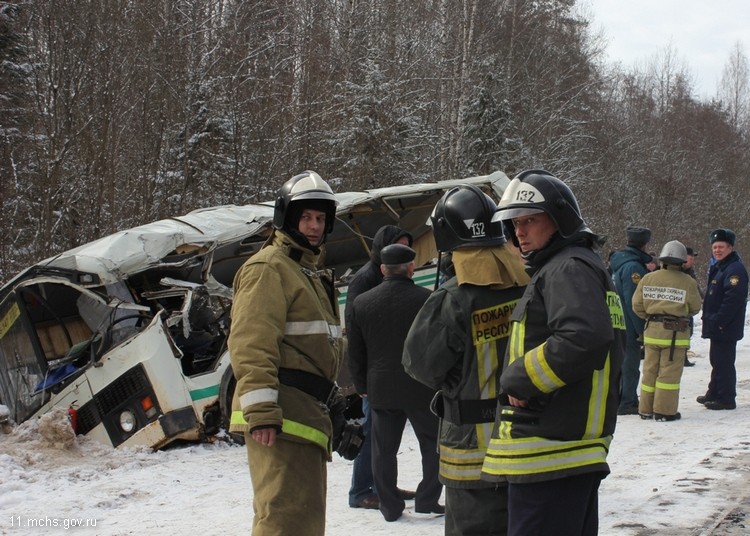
(638, 236)
(723, 235)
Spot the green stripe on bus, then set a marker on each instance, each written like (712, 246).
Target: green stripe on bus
(206, 392)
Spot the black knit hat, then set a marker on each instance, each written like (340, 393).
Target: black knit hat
(691, 253)
(638, 236)
(397, 254)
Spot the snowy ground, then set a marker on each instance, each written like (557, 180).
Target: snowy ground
(676, 478)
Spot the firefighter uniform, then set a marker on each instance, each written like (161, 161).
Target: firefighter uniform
(564, 357)
(559, 386)
(285, 324)
(667, 299)
(457, 345)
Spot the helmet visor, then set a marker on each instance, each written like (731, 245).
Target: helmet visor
(504, 214)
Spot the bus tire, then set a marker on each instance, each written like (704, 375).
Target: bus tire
(226, 393)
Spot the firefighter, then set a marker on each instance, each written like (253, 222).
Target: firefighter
(667, 299)
(559, 386)
(457, 343)
(285, 346)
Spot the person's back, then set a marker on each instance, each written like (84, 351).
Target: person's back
(457, 344)
(381, 318)
(384, 315)
(369, 275)
(362, 492)
(667, 299)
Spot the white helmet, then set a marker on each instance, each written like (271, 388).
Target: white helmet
(673, 252)
(306, 190)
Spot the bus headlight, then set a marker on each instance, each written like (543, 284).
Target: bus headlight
(127, 421)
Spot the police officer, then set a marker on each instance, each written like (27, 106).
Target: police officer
(724, 319)
(285, 346)
(457, 343)
(560, 383)
(667, 299)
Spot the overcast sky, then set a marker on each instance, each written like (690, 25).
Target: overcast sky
(702, 32)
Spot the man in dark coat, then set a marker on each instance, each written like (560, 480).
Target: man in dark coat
(362, 493)
(724, 319)
(628, 267)
(380, 321)
(689, 269)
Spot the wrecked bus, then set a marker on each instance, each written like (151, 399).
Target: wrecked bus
(128, 333)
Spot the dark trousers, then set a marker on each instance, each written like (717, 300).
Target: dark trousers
(723, 384)
(563, 507)
(387, 430)
(362, 484)
(630, 370)
(476, 512)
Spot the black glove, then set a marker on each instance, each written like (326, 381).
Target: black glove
(347, 437)
(336, 410)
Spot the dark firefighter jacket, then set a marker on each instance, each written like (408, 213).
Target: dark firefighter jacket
(283, 317)
(457, 344)
(564, 358)
(726, 300)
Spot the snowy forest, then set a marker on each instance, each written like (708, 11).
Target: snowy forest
(115, 113)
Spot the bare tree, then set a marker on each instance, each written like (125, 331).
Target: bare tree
(734, 89)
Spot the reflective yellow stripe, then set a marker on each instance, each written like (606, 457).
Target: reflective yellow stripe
(487, 366)
(517, 336)
(306, 432)
(461, 464)
(536, 455)
(598, 402)
(539, 371)
(237, 419)
(647, 388)
(679, 343)
(668, 386)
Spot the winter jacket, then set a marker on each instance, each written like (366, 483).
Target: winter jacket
(369, 276)
(381, 318)
(283, 317)
(726, 300)
(667, 292)
(564, 359)
(628, 267)
(457, 344)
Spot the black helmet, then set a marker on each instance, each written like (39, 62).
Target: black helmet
(534, 191)
(463, 218)
(306, 190)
